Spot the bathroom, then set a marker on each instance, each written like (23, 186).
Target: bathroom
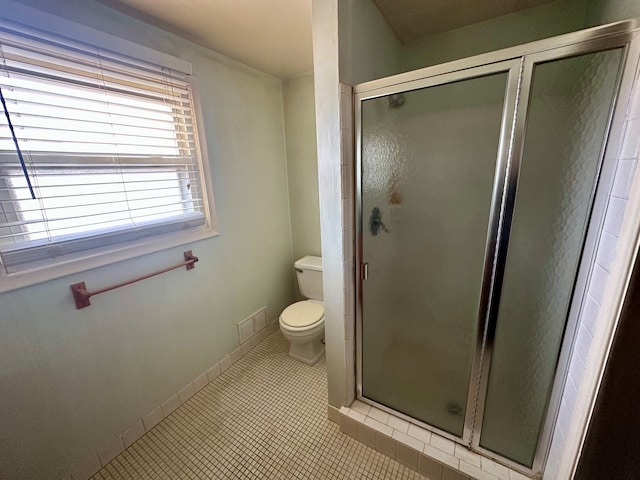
(72, 380)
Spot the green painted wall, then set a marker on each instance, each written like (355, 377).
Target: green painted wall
(601, 12)
(369, 49)
(302, 165)
(70, 380)
(548, 20)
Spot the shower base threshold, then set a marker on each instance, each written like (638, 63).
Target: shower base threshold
(428, 453)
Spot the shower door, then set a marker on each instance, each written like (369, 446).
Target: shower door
(476, 186)
(431, 165)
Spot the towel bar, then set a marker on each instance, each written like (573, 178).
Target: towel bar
(81, 295)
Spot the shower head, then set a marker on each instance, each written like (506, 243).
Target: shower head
(396, 100)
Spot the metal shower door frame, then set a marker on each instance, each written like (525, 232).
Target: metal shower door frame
(519, 62)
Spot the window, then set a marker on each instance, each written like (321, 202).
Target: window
(110, 147)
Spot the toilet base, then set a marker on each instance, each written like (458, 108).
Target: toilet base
(308, 352)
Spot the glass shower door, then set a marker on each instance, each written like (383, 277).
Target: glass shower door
(428, 167)
(568, 113)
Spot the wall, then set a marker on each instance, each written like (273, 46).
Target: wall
(302, 165)
(548, 20)
(600, 12)
(369, 48)
(72, 379)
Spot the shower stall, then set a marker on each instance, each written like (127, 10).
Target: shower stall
(481, 186)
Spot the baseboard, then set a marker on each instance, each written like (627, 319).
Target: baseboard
(90, 465)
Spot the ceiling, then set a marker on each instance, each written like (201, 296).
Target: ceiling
(274, 36)
(415, 19)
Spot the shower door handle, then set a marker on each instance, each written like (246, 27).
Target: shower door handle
(375, 222)
(364, 271)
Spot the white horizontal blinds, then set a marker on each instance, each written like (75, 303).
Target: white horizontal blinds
(110, 145)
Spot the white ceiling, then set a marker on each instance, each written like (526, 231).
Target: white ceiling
(274, 36)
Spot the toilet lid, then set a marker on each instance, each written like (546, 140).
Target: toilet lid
(302, 314)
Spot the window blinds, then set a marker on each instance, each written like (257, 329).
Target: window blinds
(110, 145)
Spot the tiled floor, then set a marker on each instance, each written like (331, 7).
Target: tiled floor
(263, 418)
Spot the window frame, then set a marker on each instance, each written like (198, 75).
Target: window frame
(102, 256)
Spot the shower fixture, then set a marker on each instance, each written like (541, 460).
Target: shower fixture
(396, 100)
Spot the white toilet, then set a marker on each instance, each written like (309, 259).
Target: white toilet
(303, 322)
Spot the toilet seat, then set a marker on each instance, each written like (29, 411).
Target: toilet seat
(302, 315)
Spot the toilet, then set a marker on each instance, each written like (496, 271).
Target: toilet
(302, 323)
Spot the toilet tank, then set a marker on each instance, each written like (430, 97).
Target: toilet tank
(309, 273)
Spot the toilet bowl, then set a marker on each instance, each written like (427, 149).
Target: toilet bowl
(302, 323)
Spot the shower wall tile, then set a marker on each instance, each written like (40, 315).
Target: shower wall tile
(590, 314)
(386, 445)
(347, 195)
(356, 415)
(346, 114)
(624, 177)
(564, 419)
(407, 456)
(361, 407)
(468, 456)
(614, 215)
(407, 440)
(347, 240)
(631, 142)
(430, 467)
(398, 424)
(347, 181)
(577, 369)
(380, 427)
(606, 251)
(435, 456)
(367, 435)
(553, 463)
(598, 283)
(442, 456)
(449, 474)
(419, 433)
(443, 444)
(348, 217)
(513, 475)
(347, 147)
(583, 342)
(378, 415)
(349, 426)
(495, 468)
(350, 358)
(476, 472)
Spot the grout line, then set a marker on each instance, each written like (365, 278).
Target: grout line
(447, 453)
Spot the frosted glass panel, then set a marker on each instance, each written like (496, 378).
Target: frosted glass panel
(428, 163)
(567, 122)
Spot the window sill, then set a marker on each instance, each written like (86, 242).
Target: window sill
(102, 258)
